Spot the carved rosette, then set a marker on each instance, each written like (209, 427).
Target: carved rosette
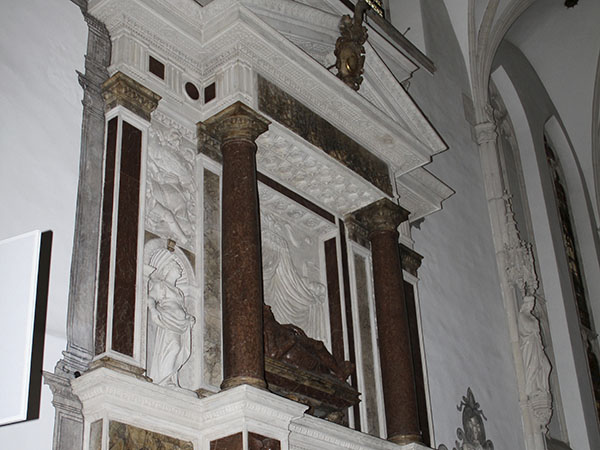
(382, 215)
(121, 90)
(236, 122)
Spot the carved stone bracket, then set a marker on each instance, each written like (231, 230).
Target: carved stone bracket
(486, 132)
(122, 90)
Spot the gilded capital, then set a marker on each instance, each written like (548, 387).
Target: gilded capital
(382, 215)
(237, 121)
(125, 91)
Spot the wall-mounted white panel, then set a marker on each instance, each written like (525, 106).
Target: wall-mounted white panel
(24, 267)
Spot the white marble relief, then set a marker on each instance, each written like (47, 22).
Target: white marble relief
(170, 188)
(295, 296)
(170, 324)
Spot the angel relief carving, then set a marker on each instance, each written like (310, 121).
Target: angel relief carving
(170, 324)
(294, 298)
(171, 190)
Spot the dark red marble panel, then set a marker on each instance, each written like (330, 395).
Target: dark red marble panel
(333, 294)
(105, 239)
(127, 236)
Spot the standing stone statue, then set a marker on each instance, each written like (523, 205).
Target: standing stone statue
(537, 366)
(173, 324)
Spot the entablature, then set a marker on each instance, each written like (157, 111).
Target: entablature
(232, 42)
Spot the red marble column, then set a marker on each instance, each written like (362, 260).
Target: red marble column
(237, 127)
(382, 219)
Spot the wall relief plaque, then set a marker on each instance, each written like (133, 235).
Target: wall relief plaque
(472, 435)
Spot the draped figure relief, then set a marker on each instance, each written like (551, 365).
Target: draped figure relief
(293, 297)
(171, 189)
(170, 324)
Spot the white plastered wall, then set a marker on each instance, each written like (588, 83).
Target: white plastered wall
(532, 113)
(42, 43)
(464, 323)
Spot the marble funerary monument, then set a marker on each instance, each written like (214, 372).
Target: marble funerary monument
(246, 278)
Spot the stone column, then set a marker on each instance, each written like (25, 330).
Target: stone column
(237, 127)
(381, 219)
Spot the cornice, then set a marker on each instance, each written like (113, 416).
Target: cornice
(421, 192)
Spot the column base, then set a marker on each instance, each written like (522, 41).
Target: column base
(403, 439)
(232, 382)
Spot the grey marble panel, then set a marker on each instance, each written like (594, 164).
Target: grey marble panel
(212, 281)
(369, 393)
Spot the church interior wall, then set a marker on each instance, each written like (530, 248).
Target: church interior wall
(534, 115)
(42, 44)
(463, 319)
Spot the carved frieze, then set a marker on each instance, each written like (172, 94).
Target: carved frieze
(125, 91)
(319, 132)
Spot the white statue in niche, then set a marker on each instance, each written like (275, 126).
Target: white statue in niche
(293, 298)
(170, 188)
(173, 324)
(537, 365)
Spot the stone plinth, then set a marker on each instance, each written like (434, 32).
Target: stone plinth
(110, 396)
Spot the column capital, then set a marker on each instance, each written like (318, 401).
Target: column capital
(236, 122)
(381, 215)
(121, 90)
(486, 132)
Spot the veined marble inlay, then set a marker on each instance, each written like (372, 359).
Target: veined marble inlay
(122, 436)
(369, 390)
(212, 373)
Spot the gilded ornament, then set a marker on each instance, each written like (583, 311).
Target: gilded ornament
(349, 49)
